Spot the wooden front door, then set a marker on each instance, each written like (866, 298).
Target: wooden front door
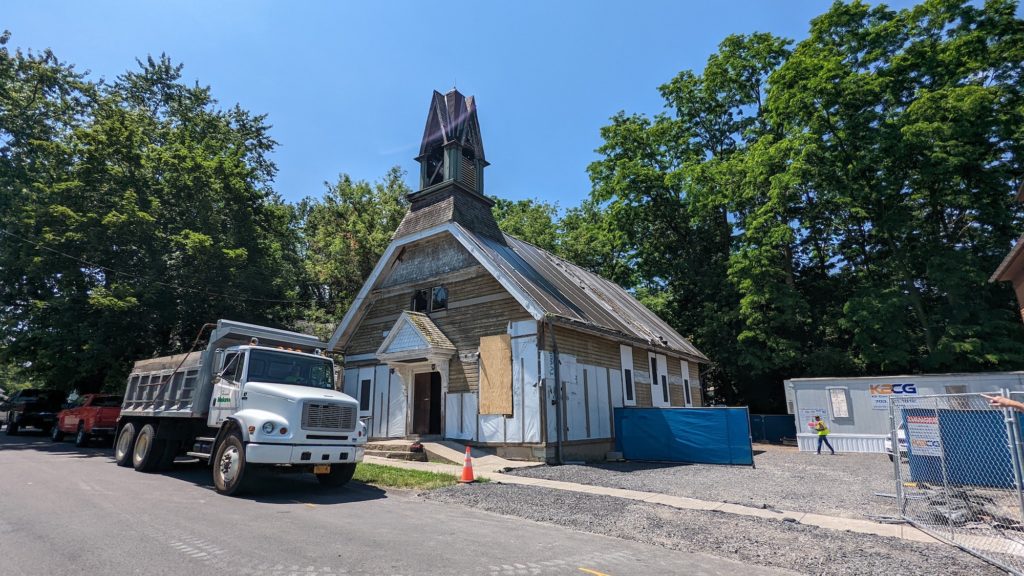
(426, 414)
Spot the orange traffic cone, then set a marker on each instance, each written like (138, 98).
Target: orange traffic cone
(467, 469)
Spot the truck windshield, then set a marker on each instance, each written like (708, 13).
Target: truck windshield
(285, 368)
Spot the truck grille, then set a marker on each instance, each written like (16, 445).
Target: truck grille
(333, 417)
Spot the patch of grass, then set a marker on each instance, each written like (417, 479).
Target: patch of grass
(391, 477)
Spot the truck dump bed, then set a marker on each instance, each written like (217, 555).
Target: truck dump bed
(181, 385)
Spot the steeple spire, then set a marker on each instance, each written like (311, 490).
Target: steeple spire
(452, 166)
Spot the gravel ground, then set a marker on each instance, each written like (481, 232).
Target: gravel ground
(843, 485)
(804, 549)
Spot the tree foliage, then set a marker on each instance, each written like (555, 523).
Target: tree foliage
(133, 212)
(834, 206)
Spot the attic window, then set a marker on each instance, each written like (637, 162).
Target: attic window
(419, 301)
(439, 299)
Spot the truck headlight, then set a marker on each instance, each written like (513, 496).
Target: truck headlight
(268, 427)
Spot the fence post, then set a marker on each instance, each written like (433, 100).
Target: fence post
(900, 511)
(1013, 444)
(945, 471)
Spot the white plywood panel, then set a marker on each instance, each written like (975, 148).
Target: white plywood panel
(522, 328)
(550, 402)
(381, 398)
(397, 407)
(615, 386)
(351, 382)
(531, 390)
(365, 405)
(592, 398)
(628, 376)
(492, 428)
(469, 415)
(603, 428)
(514, 423)
(453, 417)
(575, 405)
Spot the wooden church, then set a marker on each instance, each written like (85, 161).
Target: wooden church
(464, 332)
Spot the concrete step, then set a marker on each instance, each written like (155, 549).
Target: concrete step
(389, 446)
(399, 455)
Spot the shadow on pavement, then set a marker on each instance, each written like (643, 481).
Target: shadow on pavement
(267, 486)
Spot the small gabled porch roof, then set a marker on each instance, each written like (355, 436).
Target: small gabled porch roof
(414, 337)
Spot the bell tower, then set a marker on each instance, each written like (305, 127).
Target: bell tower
(452, 166)
(451, 149)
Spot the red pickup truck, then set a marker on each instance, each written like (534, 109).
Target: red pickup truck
(92, 415)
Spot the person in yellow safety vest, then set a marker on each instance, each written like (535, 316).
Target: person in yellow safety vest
(822, 429)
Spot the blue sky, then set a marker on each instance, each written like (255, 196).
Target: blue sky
(346, 85)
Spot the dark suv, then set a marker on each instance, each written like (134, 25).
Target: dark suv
(32, 407)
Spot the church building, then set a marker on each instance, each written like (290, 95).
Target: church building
(463, 332)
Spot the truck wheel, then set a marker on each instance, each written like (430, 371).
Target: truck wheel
(339, 475)
(81, 438)
(148, 450)
(124, 445)
(56, 435)
(12, 427)
(229, 467)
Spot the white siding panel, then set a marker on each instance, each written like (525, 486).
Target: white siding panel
(469, 415)
(381, 397)
(526, 349)
(396, 407)
(575, 405)
(492, 428)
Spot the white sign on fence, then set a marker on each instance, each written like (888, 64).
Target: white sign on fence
(923, 435)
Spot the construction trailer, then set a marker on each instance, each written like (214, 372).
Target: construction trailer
(856, 410)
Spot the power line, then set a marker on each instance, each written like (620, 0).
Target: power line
(41, 246)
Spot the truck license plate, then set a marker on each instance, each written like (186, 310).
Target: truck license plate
(322, 469)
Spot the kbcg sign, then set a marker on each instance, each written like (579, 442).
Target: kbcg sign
(880, 393)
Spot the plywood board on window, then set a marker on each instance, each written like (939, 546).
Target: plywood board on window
(496, 374)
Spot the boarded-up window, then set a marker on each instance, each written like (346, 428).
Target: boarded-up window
(496, 374)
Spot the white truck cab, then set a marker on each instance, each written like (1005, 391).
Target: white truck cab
(255, 397)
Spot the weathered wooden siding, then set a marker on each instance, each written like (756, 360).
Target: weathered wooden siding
(698, 399)
(587, 349)
(676, 394)
(477, 306)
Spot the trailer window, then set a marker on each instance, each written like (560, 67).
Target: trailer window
(284, 368)
(839, 402)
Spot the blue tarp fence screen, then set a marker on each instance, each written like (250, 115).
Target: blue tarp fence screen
(697, 435)
(966, 438)
(772, 427)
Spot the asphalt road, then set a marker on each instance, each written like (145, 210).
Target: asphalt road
(67, 510)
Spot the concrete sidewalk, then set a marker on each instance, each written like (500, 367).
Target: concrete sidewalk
(493, 473)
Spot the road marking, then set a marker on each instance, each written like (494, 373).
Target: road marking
(594, 572)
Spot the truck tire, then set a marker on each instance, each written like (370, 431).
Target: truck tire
(125, 445)
(230, 472)
(56, 435)
(149, 451)
(12, 427)
(339, 475)
(81, 437)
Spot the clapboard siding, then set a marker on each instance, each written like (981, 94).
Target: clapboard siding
(463, 325)
(587, 349)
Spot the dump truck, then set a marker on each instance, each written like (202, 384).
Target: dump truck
(256, 397)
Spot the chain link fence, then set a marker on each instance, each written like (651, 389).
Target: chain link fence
(958, 473)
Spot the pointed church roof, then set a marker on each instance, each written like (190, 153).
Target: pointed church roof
(452, 118)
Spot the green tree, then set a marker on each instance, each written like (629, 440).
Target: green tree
(833, 207)
(534, 221)
(343, 235)
(143, 212)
